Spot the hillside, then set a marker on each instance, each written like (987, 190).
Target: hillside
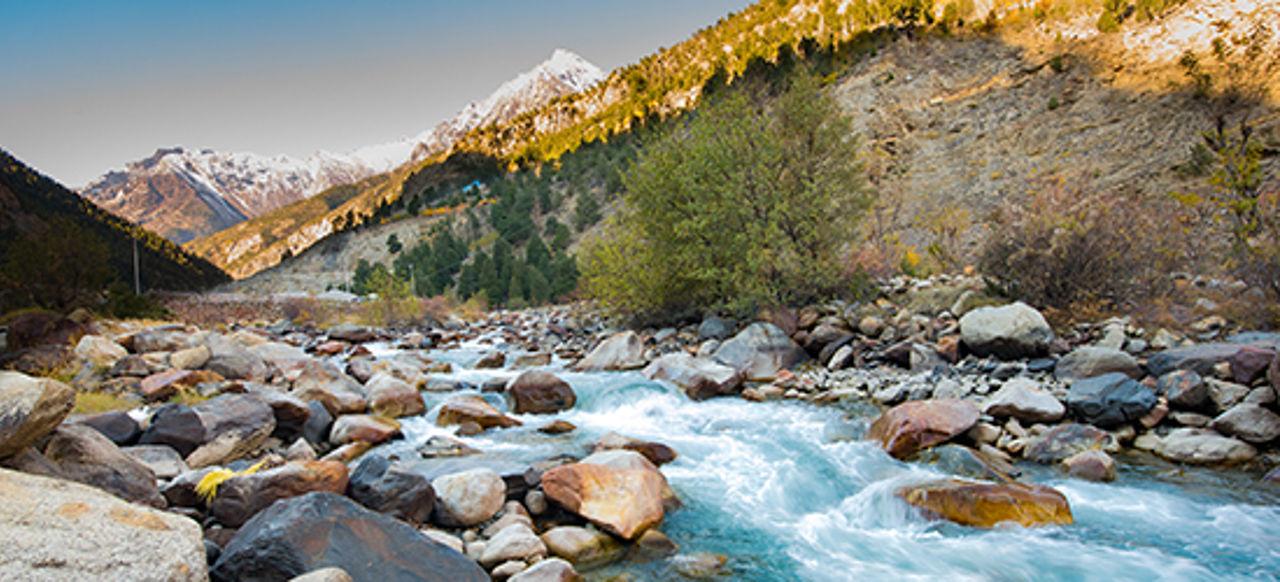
(37, 214)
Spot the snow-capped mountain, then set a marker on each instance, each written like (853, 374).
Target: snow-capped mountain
(185, 194)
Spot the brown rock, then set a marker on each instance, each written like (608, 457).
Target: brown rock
(987, 504)
(84, 455)
(29, 409)
(367, 428)
(912, 426)
(557, 427)
(539, 392)
(240, 497)
(625, 502)
(389, 396)
(1091, 465)
(463, 409)
(656, 453)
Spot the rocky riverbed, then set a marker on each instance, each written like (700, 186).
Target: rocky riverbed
(891, 439)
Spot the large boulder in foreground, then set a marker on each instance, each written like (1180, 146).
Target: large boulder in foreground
(83, 454)
(622, 501)
(988, 504)
(29, 409)
(52, 529)
(621, 351)
(760, 351)
(538, 392)
(321, 530)
(234, 426)
(913, 426)
(1110, 399)
(1008, 332)
(699, 378)
(1203, 447)
(240, 497)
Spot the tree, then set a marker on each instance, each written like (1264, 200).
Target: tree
(59, 266)
(536, 254)
(586, 212)
(558, 233)
(393, 244)
(749, 205)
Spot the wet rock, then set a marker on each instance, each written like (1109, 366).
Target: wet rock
(99, 351)
(491, 360)
(389, 396)
(1202, 446)
(163, 461)
(1025, 400)
(1090, 361)
(1184, 389)
(552, 570)
(83, 455)
(700, 378)
(116, 425)
(654, 544)
(760, 352)
(320, 530)
(468, 498)
(699, 566)
(470, 408)
(29, 409)
(988, 504)
(621, 351)
(234, 426)
(1110, 400)
(51, 529)
(585, 547)
(657, 453)
(533, 360)
(913, 426)
(515, 542)
(350, 428)
(1249, 422)
(324, 383)
(967, 462)
(387, 488)
(538, 392)
(623, 501)
(1009, 332)
(1201, 358)
(438, 446)
(1091, 465)
(241, 497)
(1060, 442)
(557, 427)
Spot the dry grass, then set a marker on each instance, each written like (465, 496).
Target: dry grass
(98, 402)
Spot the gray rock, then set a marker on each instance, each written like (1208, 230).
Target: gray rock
(386, 488)
(716, 328)
(116, 425)
(1184, 389)
(621, 351)
(84, 455)
(1225, 394)
(1201, 358)
(52, 529)
(99, 351)
(1060, 442)
(1249, 422)
(760, 351)
(1110, 400)
(515, 542)
(1090, 361)
(553, 570)
(1024, 399)
(234, 426)
(700, 378)
(232, 360)
(1009, 332)
(29, 409)
(468, 498)
(323, 382)
(1202, 446)
(165, 462)
(324, 575)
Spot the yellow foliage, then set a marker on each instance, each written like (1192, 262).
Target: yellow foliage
(207, 488)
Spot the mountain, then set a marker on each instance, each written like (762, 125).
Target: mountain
(38, 213)
(186, 194)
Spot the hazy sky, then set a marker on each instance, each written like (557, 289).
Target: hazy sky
(87, 85)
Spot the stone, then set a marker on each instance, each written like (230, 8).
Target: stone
(324, 575)
(515, 542)
(1249, 422)
(1008, 332)
(232, 360)
(622, 501)
(512, 513)
(83, 455)
(759, 352)
(871, 326)
(300, 450)
(234, 426)
(911, 427)
(552, 570)
(190, 358)
(700, 378)
(657, 453)
(243, 496)
(1060, 442)
(538, 392)
(367, 428)
(468, 498)
(382, 486)
(700, 566)
(470, 408)
(30, 408)
(989, 504)
(291, 413)
(324, 383)
(319, 421)
(99, 351)
(1201, 358)
(1092, 465)
(1090, 361)
(532, 360)
(1025, 400)
(621, 351)
(654, 544)
(164, 385)
(964, 461)
(116, 425)
(507, 569)
(1110, 400)
(320, 530)
(390, 396)
(557, 426)
(453, 542)
(714, 328)
(1224, 395)
(1203, 446)
(437, 446)
(163, 461)
(1183, 389)
(491, 360)
(351, 333)
(51, 529)
(1250, 363)
(585, 547)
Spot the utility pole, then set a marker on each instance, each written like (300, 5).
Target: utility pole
(137, 278)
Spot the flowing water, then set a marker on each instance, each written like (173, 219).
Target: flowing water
(789, 492)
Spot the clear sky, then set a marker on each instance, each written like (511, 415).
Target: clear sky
(87, 85)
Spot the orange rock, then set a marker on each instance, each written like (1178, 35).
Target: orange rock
(987, 504)
(625, 502)
(461, 409)
(911, 427)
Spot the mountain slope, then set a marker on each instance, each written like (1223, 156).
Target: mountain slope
(33, 207)
(186, 194)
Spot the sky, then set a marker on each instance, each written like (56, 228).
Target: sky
(87, 85)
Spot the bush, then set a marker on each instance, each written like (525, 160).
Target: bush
(1066, 248)
(749, 205)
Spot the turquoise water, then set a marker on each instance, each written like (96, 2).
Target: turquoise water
(783, 490)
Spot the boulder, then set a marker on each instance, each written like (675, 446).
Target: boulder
(621, 351)
(291, 413)
(1008, 332)
(1090, 361)
(29, 409)
(1224, 395)
(1202, 446)
(164, 385)
(190, 358)
(324, 383)
(319, 421)
(622, 501)
(83, 455)
(1201, 358)
(390, 396)
(657, 453)
(759, 352)
(1249, 422)
(386, 488)
(163, 461)
(1092, 465)
(988, 504)
(553, 570)
(700, 378)
(116, 425)
(1183, 389)
(241, 497)
(351, 333)
(911, 427)
(470, 408)
(1025, 400)
(1110, 400)
(1250, 363)
(321, 530)
(234, 426)
(175, 425)
(538, 392)
(52, 529)
(491, 361)
(713, 327)
(99, 351)
(232, 360)
(161, 338)
(350, 428)
(585, 547)
(131, 366)
(468, 498)
(324, 575)
(1061, 442)
(515, 542)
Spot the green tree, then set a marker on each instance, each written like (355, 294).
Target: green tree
(394, 246)
(60, 266)
(536, 255)
(586, 212)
